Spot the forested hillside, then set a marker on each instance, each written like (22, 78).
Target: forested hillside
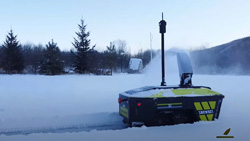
(229, 58)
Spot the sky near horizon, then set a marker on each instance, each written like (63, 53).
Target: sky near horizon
(190, 23)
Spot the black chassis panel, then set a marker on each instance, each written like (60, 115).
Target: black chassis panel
(149, 107)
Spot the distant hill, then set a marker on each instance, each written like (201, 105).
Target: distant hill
(232, 57)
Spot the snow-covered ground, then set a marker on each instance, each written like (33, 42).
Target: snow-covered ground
(35, 101)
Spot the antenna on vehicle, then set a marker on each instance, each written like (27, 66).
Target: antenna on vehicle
(162, 25)
(151, 50)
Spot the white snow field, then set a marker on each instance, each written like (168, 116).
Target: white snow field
(35, 101)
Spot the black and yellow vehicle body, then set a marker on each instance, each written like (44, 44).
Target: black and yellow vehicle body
(162, 105)
(166, 105)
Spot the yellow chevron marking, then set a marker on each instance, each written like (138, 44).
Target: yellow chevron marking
(205, 105)
(210, 117)
(212, 104)
(198, 106)
(203, 117)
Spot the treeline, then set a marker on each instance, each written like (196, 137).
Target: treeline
(50, 60)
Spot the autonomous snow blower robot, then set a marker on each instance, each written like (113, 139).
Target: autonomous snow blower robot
(167, 105)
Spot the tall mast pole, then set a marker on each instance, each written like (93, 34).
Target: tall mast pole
(162, 25)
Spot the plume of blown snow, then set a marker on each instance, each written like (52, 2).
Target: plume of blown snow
(153, 71)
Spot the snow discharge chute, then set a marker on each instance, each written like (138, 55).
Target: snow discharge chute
(185, 69)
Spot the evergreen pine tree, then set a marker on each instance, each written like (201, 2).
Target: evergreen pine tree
(51, 63)
(12, 59)
(111, 57)
(81, 61)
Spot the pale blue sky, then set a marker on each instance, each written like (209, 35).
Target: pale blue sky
(191, 23)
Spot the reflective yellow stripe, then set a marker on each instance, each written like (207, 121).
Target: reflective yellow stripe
(198, 106)
(203, 117)
(210, 117)
(158, 95)
(124, 114)
(212, 104)
(167, 104)
(124, 111)
(205, 105)
(203, 91)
